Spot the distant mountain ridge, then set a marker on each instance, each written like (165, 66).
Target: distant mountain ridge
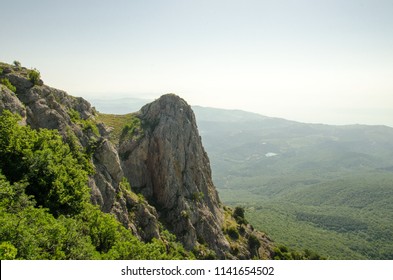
(330, 186)
(124, 105)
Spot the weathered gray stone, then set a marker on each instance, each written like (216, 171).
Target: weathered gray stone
(106, 155)
(171, 168)
(9, 101)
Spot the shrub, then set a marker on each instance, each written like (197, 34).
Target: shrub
(56, 179)
(198, 196)
(8, 84)
(74, 115)
(7, 251)
(238, 214)
(124, 184)
(184, 214)
(131, 130)
(87, 125)
(233, 233)
(234, 250)
(253, 242)
(34, 76)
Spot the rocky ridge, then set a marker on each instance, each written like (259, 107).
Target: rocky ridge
(161, 156)
(169, 166)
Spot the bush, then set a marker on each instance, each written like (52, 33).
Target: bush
(56, 178)
(238, 214)
(17, 64)
(233, 233)
(34, 76)
(74, 116)
(131, 130)
(253, 242)
(198, 196)
(8, 84)
(7, 251)
(88, 125)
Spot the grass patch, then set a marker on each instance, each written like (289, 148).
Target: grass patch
(122, 125)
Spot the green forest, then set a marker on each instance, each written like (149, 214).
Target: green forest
(45, 210)
(318, 187)
(339, 219)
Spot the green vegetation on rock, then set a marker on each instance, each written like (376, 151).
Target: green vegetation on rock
(34, 76)
(88, 125)
(122, 126)
(8, 84)
(55, 178)
(45, 212)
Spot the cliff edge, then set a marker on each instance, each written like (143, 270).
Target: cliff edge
(157, 150)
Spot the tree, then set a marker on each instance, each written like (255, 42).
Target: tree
(17, 64)
(238, 214)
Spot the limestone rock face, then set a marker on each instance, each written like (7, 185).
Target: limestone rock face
(107, 176)
(170, 167)
(9, 101)
(163, 160)
(44, 107)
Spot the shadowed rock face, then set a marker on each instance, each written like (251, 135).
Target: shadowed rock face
(170, 167)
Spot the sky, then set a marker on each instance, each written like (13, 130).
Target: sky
(312, 61)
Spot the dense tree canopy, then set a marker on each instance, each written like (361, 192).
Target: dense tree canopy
(56, 179)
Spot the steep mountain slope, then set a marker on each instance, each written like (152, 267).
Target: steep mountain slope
(158, 150)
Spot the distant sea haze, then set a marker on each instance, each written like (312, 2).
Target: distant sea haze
(342, 116)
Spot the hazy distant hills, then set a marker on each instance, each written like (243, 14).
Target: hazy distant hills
(327, 188)
(119, 105)
(253, 145)
(323, 187)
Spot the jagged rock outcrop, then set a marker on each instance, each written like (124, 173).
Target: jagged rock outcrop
(170, 167)
(9, 101)
(163, 159)
(44, 107)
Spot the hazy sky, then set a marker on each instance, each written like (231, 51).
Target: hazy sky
(314, 61)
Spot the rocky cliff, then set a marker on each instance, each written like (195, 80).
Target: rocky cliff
(159, 153)
(169, 166)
